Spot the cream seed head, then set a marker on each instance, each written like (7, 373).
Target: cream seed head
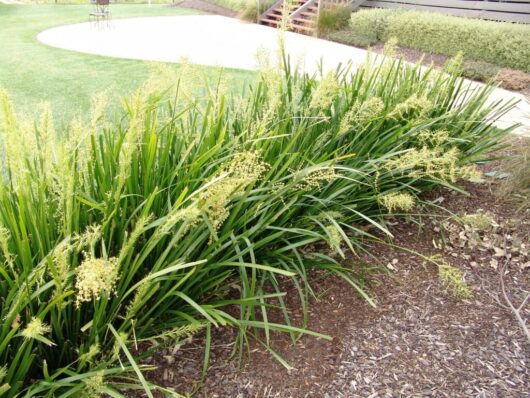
(397, 201)
(94, 277)
(325, 93)
(361, 113)
(190, 215)
(317, 179)
(94, 386)
(89, 238)
(5, 237)
(242, 171)
(89, 356)
(35, 328)
(413, 105)
(334, 237)
(440, 163)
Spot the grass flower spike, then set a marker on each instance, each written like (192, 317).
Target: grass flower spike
(94, 277)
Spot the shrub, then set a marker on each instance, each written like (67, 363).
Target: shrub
(500, 43)
(250, 10)
(332, 19)
(350, 38)
(370, 23)
(182, 214)
(479, 70)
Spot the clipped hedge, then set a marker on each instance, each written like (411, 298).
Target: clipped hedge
(333, 19)
(501, 43)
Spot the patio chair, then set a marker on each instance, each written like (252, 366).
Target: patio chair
(100, 13)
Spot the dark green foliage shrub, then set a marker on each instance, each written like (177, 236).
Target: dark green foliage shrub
(500, 43)
(181, 213)
(479, 70)
(350, 38)
(332, 19)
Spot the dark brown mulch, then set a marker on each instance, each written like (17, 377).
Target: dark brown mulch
(206, 6)
(419, 341)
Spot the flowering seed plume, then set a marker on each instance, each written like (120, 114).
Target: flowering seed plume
(95, 276)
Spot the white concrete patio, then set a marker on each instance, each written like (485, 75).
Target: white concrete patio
(214, 40)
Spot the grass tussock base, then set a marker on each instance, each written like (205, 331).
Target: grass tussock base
(134, 231)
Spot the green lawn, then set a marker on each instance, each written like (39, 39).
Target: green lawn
(33, 72)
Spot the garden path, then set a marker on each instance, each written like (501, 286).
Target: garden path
(214, 40)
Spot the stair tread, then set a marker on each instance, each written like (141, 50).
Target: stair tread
(305, 21)
(269, 20)
(303, 27)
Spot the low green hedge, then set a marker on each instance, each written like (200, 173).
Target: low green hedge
(333, 19)
(501, 43)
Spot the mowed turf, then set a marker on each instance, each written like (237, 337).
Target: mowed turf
(33, 73)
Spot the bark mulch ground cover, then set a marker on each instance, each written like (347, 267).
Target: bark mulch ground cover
(419, 341)
(508, 78)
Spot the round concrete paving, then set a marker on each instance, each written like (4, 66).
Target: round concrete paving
(202, 39)
(214, 40)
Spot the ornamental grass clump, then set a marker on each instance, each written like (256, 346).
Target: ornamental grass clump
(182, 214)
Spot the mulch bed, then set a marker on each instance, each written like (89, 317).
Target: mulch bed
(420, 340)
(439, 60)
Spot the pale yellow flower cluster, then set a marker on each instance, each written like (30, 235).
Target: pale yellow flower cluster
(434, 163)
(131, 142)
(190, 215)
(334, 236)
(88, 357)
(136, 303)
(94, 277)
(183, 331)
(433, 138)
(325, 93)
(133, 237)
(479, 221)
(414, 105)
(326, 215)
(60, 266)
(5, 236)
(453, 279)
(89, 238)
(245, 169)
(397, 201)
(361, 112)
(317, 179)
(35, 328)
(94, 386)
